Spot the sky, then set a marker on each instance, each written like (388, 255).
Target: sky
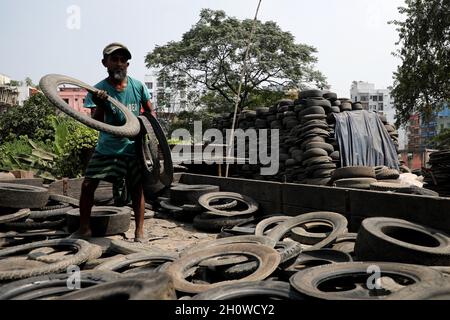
(353, 39)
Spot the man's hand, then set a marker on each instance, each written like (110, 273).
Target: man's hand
(100, 97)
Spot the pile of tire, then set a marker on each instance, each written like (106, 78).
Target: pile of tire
(25, 208)
(209, 209)
(438, 176)
(308, 151)
(307, 257)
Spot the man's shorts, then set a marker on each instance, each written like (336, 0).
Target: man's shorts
(121, 171)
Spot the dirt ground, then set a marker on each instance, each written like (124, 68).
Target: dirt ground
(168, 235)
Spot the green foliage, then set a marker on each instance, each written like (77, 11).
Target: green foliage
(210, 57)
(35, 138)
(75, 143)
(422, 82)
(442, 140)
(31, 119)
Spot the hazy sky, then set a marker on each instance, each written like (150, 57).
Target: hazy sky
(353, 39)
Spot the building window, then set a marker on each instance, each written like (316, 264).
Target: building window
(380, 98)
(66, 101)
(149, 85)
(364, 98)
(374, 98)
(380, 107)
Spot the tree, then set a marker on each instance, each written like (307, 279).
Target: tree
(442, 140)
(422, 82)
(29, 82)
(31, 120)
(209, 59)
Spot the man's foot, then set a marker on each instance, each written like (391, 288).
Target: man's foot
(83, 235)
(140, 237)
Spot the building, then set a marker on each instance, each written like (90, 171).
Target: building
(443, 119)
(4, 79)
(164, 98)
(380, 101)
(75, 98)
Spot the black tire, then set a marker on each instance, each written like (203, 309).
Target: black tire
(57, 197)
(125, 247)
(49, 85)
(325, 146)
(330, 96)
(316, 160)
(261, 227)
(52, 285)
(156, 286)
(212, 223)
(354, 172)
(147, 151)
(315, 110)
(10, 215)
(206, 199)
(52, 213)
(386, 173)
(105, 221)
(430, 290)
(336, 278)
(318, 102)
(314, 93)
(166, 172)
(354, 183)
(189, 194)
(18, 196)
(324, 166)
(336, 220)
(306, 235)
(345, 106)
(82, 255)
(273, 289)
(387, 239)
(314, 153)
(33, 225)
(267, 257)
(121, 262)
(230, 240)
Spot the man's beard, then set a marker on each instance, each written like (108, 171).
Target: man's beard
(118, 75)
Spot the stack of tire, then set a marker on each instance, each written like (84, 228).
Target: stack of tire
(182, 204)
(392, 131)
(315, 135)
(438, 176)
(209, 209)
(356, 177)
(224, 209)
(26, 208)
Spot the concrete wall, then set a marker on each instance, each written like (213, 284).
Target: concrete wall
(356, 205)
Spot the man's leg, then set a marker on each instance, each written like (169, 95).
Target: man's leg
(137, 197)
(88, 188)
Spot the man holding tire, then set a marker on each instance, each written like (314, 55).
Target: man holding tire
(115, 159)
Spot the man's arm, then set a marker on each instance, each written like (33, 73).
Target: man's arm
(149, 107)
(99, 98)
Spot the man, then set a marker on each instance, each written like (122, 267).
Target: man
(115, 158)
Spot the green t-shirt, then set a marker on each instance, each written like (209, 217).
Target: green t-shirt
(134, 95)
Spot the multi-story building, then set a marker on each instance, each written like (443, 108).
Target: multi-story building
(74, 97)
(164, 98)
(4, 79)
(443, 119)
(377, 100)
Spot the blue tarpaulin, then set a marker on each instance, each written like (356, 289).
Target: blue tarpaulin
(363, 140)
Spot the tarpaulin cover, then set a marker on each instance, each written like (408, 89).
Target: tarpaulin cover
(363, 140)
